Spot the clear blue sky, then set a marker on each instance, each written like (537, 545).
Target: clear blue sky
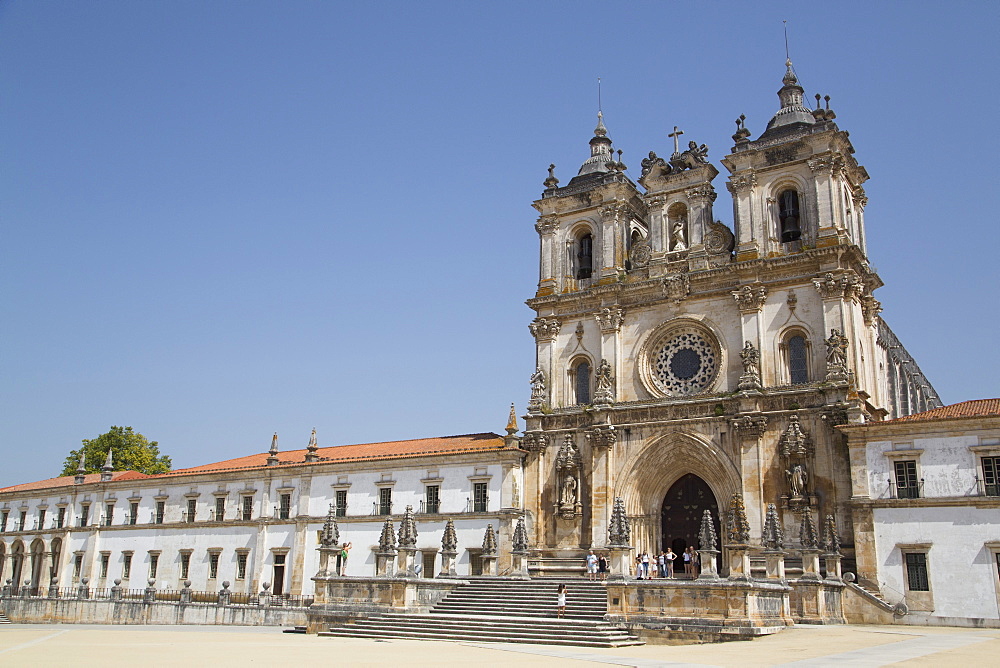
(226, 219)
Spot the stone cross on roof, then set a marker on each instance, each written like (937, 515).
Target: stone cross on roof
(675, 134)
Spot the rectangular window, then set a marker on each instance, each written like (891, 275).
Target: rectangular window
(284, 506)
(109, 514)
(341, 503)
(433, 500)
(21, 520)
(916, 571)
(126, 565)
(213, 565)
(3, 520)
(77, 565)
(479, 497)
(41, 519)
(247, 513)
(241, 566)
(105, 560)
(907, 485)
(160, 505)
(385, 501)
(60, 518)
(133, 512)
(84, 515)
(185, 565)
(154, 563)
(192, 506)
(220, 508)
(991, 476)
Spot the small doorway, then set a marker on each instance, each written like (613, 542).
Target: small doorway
(279, 575)
(683, 507)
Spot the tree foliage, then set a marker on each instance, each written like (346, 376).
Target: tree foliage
(130, 451)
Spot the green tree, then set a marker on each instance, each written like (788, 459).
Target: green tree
(130, 451)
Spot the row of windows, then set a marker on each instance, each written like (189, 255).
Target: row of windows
(153, 562)
(431, 503)
(906, 484)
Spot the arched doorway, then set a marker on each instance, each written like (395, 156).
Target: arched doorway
(37, 561)
(16, 563)
(682, 510)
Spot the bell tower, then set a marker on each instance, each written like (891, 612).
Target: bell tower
(797, 186)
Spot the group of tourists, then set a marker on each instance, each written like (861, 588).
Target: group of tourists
(662, 565)
(597, 566)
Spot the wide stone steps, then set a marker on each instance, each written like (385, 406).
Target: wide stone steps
(479, 628)
(3, 618)
(584, 600)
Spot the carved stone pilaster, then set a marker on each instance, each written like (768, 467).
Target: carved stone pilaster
(602, 436)
(611, 212)
(547, 224)
(676, 287)
(846, 285)
(544, 329)
(535, 441)
(749, 426)
(750, 298)
(742, 181)
(870, 307)
(610, 319)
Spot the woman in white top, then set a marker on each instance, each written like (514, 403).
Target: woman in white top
(561, 601)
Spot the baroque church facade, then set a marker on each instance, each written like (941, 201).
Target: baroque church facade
(680, 361)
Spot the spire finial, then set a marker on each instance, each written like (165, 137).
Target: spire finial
(512, 421)
(108, 463)
(600, 130)
(785, 24)
(675, 134)
(599, 108)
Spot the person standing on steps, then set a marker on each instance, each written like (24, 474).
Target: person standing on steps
(561, 600)
(343, 558)
(602, 567)
(687, 560)
(669, 559)
(591, 566)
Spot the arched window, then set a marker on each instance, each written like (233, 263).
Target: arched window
(581, 381)
(789, 216)
(585, 256)
(798, 360)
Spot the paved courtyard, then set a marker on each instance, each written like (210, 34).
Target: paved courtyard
(84, 645)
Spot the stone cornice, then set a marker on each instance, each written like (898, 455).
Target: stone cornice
(984, 502)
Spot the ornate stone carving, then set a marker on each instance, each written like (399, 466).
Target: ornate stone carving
(547, 224)
(836, 356)
(798, 480)
(330, 535)
(619, 531)
(792, 301)
(568, 465)
(551, 181)
(449, 542)
(795, 442)
(539, 396)
(490, 540)
(831, 539)
(676, 287)
(603, 436)
(750, 380)
(605, 382)
(847, 285)
(751, 298)
(694, 156)
(611, 212)
(749, 426)
(870, 307)
(408, 529)
(828, 163)
(311, 455)
(807, 531)
(719, 240)
(702, 194)
(743, 181)
(737, 526)
(387, 541)
(653, 161)
(640, 254)
(611, 318)
(534, 441)
(707, 537)
(519, 543)
(544, 329)
(773, 538)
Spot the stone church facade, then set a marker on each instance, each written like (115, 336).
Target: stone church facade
(680, 361)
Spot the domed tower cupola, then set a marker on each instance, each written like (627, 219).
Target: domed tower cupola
(792, 111)
(600, 151)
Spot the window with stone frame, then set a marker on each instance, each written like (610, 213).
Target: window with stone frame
(284, 506)
(480, 497)
(154, 564)
(907, 484)
(192, 507)
(385, 501)
(77, 565)
(241, 565)
(160, 510)
(916, 571)
(585, 256)
(798, 360)
(3, 520)
(126, 565)
(22, 519)
(60, 517)
(133, 512)
(432, 499)
(105, 562)
(581, 383)
(991, 476)
(220, 508)
(109, 514)
(213, 564)
(246, 512)
(41, 518)
(340, 503)
(185, 565)
(84, 514)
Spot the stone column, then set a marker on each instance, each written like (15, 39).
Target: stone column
(546, 228)
(149, 594)
(225, 596)
(748, 232)
(116, 591)
(186, 592)
(83, 591)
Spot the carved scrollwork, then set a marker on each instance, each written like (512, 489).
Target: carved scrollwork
(544, 329)
(751, 298)
(703, 193)
(676, 287)
(870, 307)
(846, 285)
(547, 224)
(827, 163)
(719, 239)
(611, 318)
(535, 441)
(742, 181)
(602, 436)
(749, 426)
(640, 254)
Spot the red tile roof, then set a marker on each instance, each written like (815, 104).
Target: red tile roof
(966, 409)
(69, 481)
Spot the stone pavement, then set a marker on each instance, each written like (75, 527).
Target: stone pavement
(84, 645)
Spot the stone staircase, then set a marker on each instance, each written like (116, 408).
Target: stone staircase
(498, 610)
(3, 618)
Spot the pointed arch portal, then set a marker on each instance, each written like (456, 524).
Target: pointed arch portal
(683, 506)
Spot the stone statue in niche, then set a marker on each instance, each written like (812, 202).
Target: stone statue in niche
(750, 380)
(537, 390)
(836, 348)
(568, 497)
(568, 465)
(605, 393)
(677, 241)
(798, 479)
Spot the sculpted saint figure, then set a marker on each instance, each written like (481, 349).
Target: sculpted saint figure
(751, 360)
(569, 491)
(538, 385)
(677, 235)
(798, 477)
(836, 348)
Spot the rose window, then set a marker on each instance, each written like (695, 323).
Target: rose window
(685, 363)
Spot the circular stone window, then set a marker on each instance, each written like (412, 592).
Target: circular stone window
(685, 361)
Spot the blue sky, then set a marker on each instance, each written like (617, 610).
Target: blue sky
(226, 219)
